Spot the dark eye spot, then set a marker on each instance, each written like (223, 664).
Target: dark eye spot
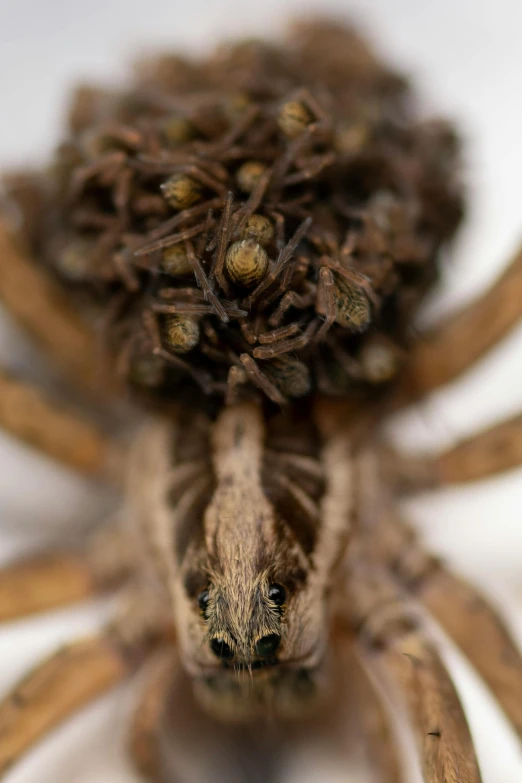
(221, 649)
(203, 602)
(267, 645)
(277, 594)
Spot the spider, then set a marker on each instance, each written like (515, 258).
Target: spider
(264, 553)
(267, 583)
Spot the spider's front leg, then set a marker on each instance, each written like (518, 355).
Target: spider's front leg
(466, 615)
(393, 643)
(78, 673)
(47, 581)
(375, 721)
(149, 713)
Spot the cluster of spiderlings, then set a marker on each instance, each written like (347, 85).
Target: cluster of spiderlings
(265, 220)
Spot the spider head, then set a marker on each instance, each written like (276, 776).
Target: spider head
(249, 611)
(253, 638)
(246, 599)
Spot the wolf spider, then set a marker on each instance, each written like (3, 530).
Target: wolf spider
(266, 570)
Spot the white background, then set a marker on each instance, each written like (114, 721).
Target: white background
(467, 59)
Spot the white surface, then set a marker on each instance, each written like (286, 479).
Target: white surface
(467, 59)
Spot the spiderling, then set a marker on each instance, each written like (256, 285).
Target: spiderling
(272, 231)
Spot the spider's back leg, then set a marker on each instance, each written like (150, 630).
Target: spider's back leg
(27, 414)
(449, 350)
(41, 307)
(494, 450)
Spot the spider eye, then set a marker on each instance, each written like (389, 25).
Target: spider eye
(267, 645)
(221, 649)
(203, 602)
(277, 594)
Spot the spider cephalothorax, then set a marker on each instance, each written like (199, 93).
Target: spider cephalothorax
(270, 216)
(247, 572)
(264, 220)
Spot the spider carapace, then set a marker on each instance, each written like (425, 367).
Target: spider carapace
(237, 247)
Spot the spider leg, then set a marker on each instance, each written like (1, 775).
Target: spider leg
(28, 415)
(286, 346)
(393, 644)
(468, 618)
(443, 354)
(147, 720)
(290, 299)
(74, 676)
(39, 305)
(376, 724)
(49, 580)
(259, 378)
(325, 301)
(484, 454)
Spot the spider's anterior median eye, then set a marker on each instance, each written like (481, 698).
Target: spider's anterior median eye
(221, 649)
(203, 602)
(267, 645)
(277, 594)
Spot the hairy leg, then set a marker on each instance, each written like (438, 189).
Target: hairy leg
(376, 725)
(149, 713)
(74, 676)
(447, 351)
(28, 415)
(70, 678)
(48, 581)
(481, 635)
(471, 621)
(393, 643)
(492, 451)
(40, 306)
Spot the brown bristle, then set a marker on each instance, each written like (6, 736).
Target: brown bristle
(269, 208)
